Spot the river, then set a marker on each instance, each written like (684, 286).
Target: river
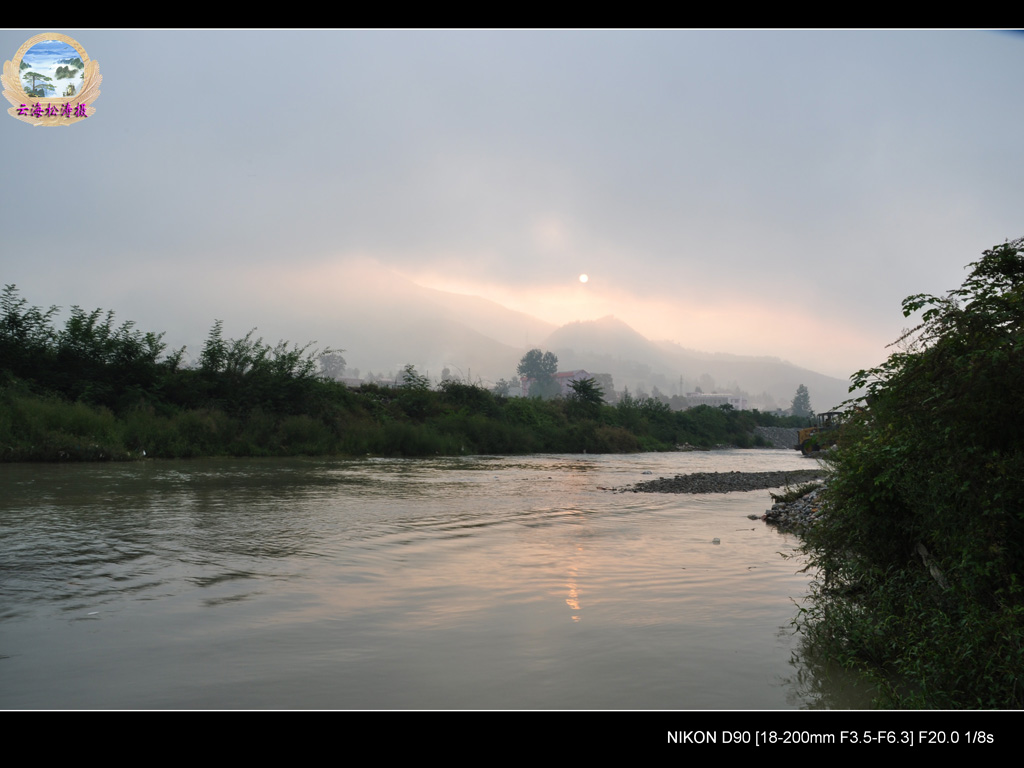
(448, 583)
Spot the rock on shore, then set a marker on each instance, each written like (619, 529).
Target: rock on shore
(723, 482)
(796, 515)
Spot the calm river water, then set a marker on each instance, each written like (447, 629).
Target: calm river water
(480, 583)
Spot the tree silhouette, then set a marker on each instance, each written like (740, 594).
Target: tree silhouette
(332, 365)
(802, 402)
(586, 398)
(540, 368)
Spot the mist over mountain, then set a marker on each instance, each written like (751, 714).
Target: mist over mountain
(384, 321)
(609, 345)
(479, 339)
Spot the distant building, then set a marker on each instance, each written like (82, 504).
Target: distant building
(715, 399)
(515, 389)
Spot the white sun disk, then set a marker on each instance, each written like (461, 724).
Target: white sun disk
(583, 278)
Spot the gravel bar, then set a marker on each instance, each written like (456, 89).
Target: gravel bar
(723, 482)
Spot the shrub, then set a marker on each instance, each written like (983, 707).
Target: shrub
(919, 559)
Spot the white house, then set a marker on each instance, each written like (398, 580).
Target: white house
(715, 399)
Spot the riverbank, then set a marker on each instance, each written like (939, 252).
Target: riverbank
(798, 515)
(330, 420)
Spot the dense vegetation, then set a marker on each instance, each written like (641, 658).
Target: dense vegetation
(920, 557)
(97, 390)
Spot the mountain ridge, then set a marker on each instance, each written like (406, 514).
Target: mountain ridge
(642, 364)
(384, 320)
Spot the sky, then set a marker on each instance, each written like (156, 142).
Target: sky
(751, 192)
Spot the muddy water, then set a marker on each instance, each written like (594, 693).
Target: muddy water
(485, 582)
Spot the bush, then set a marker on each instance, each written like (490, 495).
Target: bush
(920, 556)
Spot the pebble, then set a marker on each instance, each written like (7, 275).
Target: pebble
(722, 482)
(796, 516)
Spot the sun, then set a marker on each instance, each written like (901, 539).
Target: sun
(584, 278)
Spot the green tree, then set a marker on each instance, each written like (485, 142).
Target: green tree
(215, 350)
(540, 368)
(241, 374)
(27, 336)
(802, 402)
(415, 397)
(586, 399)
(921, 556)
(413, 379)
(587, 391)
(39, 84)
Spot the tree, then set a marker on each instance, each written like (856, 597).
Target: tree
(503, 387)
(37, 89)
(802, 402)
(241, 374)
(215, 350)
(416, 398)
(536, 364)
(921, 554)
(586, 398)
(413, 379)
(540, 368)
(586, 391)
(27, 336)
(332, 365)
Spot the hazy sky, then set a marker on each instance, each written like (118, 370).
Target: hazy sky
(771, 193)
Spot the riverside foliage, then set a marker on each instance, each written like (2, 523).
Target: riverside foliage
(920, 557)
(98, 390)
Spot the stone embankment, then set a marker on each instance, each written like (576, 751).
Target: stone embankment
(779, 437)
(796, 516)
(723, 482)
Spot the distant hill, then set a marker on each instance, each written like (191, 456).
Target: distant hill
(384, 321)
(611, 346)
